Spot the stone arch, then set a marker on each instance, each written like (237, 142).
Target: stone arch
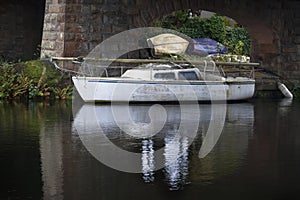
(264, 39)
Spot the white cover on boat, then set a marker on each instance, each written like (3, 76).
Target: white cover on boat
(168, 44)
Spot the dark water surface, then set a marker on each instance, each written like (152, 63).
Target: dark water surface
(256, 157)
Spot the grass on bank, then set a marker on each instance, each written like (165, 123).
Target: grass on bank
(32, 80)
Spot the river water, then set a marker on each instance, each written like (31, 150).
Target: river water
(256, 156)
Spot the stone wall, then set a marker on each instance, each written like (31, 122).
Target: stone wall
(289, 59)
(54, 28)
(21, 25)
(76, 27)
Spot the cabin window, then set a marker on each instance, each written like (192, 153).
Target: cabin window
(167, 76)
(188, 75)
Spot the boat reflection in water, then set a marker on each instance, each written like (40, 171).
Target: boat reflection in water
(176, 161)
(176, 171)
(121, 125)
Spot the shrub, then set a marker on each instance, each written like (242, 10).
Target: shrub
(217, 28)
(238, 41)
(32, 79)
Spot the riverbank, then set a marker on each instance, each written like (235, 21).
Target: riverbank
(34, 79)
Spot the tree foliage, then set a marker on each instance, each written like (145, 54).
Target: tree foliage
(238, 41)
(217, 28)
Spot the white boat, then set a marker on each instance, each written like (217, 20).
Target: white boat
(164, 83)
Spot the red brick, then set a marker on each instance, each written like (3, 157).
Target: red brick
(71, 46)
(289, 49)
(73, 9)
(56, 8)
(268, 48)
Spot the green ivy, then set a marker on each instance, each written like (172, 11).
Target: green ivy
(238, 41)
(217, 28)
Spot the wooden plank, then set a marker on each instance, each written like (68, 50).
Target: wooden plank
(239, 70)
(223, 64)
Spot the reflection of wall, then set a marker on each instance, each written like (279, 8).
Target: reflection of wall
(51, 148)
(231, 149)
(54, 135)
(274, 150)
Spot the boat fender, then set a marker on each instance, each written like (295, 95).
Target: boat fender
(284, 90)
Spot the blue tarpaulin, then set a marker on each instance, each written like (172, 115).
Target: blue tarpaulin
(207, 45)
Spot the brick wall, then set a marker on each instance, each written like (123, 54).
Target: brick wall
(54, 28)
(76, 27)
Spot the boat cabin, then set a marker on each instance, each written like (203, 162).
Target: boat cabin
(146, 74)
(169, 73)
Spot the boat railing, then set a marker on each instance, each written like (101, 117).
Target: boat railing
(238, 69)
(206, 66)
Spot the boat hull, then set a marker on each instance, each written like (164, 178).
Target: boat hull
(93, 89)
